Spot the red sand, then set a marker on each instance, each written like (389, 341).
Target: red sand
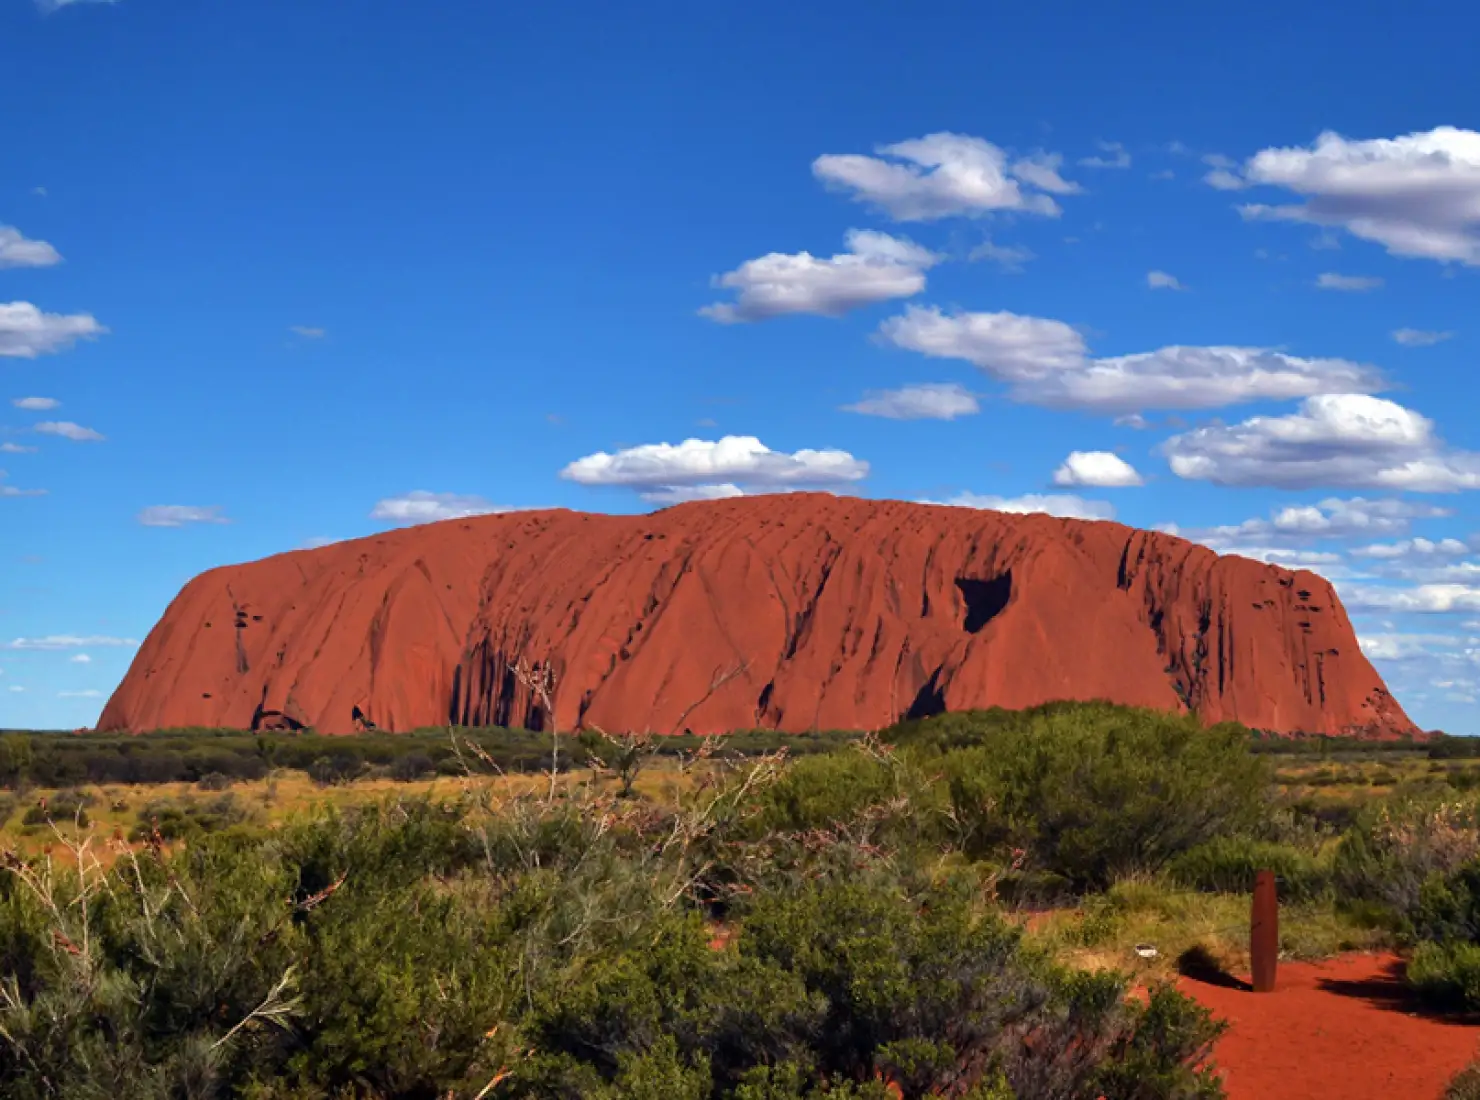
(1346, 1029)
(795, 612)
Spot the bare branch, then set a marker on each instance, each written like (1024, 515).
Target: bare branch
(720, 678)
(541, 682)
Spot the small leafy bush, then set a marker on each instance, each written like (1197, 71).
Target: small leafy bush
(189, 818)
(1227, 865)
(822, 791)
(1388, 856)
(340, 768)
(1094, 796)
(1447, 974)
(63, 806)
(412, 766)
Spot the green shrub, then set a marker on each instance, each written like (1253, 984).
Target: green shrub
(15, 759)
(188, 818)
(819, 792)
(1097, 793)
(341, 767)
(63, 807)
(1227, 865)
(411, 767)
(1397, 844)
(1447, 974)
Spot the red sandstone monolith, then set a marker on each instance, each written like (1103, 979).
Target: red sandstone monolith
(795, 612)
(1264, 932)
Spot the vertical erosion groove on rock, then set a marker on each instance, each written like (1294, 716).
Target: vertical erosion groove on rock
(833, 613)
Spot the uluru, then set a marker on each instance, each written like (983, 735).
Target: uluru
(795, 612)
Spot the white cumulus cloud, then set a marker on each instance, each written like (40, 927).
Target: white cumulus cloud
(178, 515)
(667, 472)
(1064, 505)
(1417, 194)
(12, 491)
(422, 506)
(36, 404)
(68, 430)
(1292, 525)
(1046, 362)
(1288, 557)
(80, 659)
(68, 641)
(1008, 257)
(927, 401)
(57, 5)
(1225, 180)
(26, 332)
(17, 250)
(1160, 280)
(1100, 469)
(1423, 599)
(683, 494)
(1420, 547)
(1337, 440)
(1112, 155)
(1330, 280)
(944, 175)
(15, 449)
(1405, 647)
(1419, 338)
(876, 268)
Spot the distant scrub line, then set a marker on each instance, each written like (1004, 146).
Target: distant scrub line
(49, 759)
(189, 755)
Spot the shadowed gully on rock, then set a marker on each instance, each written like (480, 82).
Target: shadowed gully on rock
(797, 612)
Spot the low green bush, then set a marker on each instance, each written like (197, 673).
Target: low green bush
(1097, 793)
(1397, 844)
(1448, 974)
(63, 807)
(822, 791)
(1227, 865)
(172, 820)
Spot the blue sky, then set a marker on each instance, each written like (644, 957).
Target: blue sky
(285, 272)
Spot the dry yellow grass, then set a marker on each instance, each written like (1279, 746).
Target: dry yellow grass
(115, 809)
(1150, 912)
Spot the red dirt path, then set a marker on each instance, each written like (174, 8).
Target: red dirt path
(1346, 1029)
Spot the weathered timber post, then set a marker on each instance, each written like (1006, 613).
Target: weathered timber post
(1264, 932)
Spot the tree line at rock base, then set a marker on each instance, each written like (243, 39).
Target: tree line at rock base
(55, 760)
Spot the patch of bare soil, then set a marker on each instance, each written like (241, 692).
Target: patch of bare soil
(1348, 1028)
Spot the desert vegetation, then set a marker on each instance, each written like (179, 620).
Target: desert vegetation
(991, 904)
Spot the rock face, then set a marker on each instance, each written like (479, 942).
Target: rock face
(797, 612)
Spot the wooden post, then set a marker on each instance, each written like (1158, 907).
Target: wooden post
(1264, 932)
